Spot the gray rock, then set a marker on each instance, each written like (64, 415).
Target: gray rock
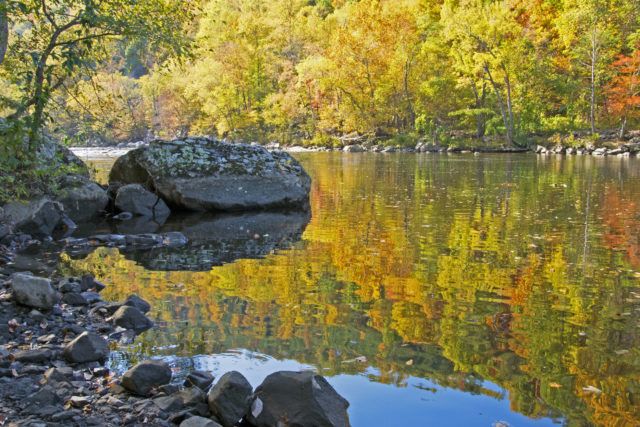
(146, 376)
(33, 291)
(39, 218)
(82, 199)
(5, 230)
(87, 347)
(199, 422)
(73, 298)
(56, 375)
(171, 403)
(137, 302)
(300, 398)
(136, 199)
(39, 355)
(44, 397)
(91, 297)
(200, 379)
(131, 318)
(192, 396)
(355, 148)
(202, 174)
(229, 398)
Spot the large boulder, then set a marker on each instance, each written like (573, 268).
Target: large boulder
(146, 376)
(82, 199)
(297, 399)
(229, 398)
(136, 199)
(40, 217)
(33, 291)
(86, 347)
(203, 174)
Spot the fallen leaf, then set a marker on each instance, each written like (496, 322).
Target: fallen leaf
(555, 385)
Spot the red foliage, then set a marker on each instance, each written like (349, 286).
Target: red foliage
(624, 90)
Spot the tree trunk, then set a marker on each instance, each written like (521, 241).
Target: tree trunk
(511, 129)
(623, 127)
(479, 103)
(503, 112)
(4, 32)
(595, 47)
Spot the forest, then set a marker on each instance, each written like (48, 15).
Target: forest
(313, 71)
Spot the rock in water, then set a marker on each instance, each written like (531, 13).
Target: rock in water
(229, 398)
(200, 379)
(81, 198)
(145, 376)
(33, 291)
(131, 318)
(136, 199)
(203, 174)
(297, 399)
(87, 347)
(137, 302)
(199, 422)
(39, 218)
(355, 148)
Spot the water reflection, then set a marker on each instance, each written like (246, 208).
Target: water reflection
(507, 281)
(213, 239)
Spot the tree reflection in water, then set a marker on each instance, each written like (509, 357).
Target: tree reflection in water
(519, 271)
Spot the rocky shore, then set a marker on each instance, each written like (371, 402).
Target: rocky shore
(608, 147)
(56, 335)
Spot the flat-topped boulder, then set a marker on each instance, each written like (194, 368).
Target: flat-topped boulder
(203, 174)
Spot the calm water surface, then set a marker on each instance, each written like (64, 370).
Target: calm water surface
(430, 289)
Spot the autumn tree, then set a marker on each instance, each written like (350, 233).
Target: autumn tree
(624, 90)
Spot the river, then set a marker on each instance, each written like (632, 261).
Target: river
(429, 289)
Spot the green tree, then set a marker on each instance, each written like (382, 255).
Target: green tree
(54, 40)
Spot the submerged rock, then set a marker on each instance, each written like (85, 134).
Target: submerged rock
(229, 398)
(146, 376)
(203, 174)
(297, 399)
(33, 291)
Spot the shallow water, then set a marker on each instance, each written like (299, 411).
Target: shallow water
(429, 289)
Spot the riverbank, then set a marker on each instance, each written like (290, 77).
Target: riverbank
(57, 333)
(629, 148)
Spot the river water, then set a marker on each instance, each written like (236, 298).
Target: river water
(429, 289)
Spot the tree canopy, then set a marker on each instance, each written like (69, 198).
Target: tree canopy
(292, 70)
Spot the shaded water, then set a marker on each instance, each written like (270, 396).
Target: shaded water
(429, 289)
